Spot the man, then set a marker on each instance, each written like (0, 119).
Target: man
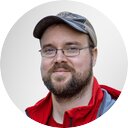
(69, 51)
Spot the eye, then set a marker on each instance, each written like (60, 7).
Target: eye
(72, 49)
(49, 50)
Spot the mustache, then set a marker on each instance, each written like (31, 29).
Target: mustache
(61, 65)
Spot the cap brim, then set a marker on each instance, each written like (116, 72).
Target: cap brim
(50, 20)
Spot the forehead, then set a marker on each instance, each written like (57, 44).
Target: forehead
(60, 34)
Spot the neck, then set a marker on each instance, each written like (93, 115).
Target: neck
(62, 105)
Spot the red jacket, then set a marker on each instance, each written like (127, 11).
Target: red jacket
(103, 97)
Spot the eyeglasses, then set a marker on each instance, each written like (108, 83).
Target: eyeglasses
(71, 51)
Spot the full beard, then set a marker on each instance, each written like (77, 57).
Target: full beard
(73, 87)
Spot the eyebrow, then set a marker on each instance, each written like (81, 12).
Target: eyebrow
(47, 45)
(66, 44)
(73, 43)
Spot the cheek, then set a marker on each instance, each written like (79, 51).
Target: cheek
(82, 64)
(44, 66)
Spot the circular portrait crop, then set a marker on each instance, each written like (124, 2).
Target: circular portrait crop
(63, 64)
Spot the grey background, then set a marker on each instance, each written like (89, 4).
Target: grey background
(20, 60)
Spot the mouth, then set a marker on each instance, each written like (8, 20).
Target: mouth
(61, 70)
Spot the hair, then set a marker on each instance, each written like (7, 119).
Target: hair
(91, 43)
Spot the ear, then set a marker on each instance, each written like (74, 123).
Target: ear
(94, 55)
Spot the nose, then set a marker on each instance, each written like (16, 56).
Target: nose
(60, 57)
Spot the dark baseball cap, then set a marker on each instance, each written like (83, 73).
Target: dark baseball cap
(73, 20)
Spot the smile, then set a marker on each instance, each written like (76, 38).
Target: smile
(60, 70)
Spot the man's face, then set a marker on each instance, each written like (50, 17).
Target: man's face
(66, 76)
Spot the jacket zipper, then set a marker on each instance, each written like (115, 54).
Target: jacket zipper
(70, 120)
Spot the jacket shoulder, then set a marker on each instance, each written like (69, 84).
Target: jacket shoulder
(41, 110)
(109, 98)
(112, 91)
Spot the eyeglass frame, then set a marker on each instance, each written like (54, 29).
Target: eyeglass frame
(63, 51)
